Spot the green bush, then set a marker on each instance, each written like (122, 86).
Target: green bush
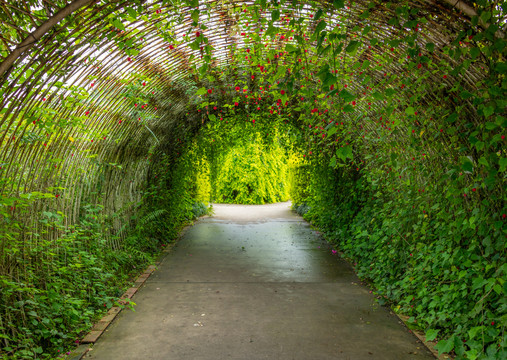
(253, 174)
(438, 259)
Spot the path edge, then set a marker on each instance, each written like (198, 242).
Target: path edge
(403, 319)
(86, 343)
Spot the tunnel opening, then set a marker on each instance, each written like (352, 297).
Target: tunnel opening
(115, 117)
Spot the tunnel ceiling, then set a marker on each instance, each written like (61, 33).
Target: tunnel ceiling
(105, 84)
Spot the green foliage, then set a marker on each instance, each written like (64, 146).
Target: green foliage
(252, 173)
(65, 284)
(58, 279)
(439, 260)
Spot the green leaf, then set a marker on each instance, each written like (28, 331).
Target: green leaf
(291, 48)
(132, 13)
(475, 52)
(352, 46)
(430, 47)
(485, 16)
(445, 346)
(466, 164)
(501, 67)
(318, 14)
(331, 93)
(329, 80)
(275, 15)
(281, 71)
(118, 24)
(332, 130)
(344, 153)
(410, 110)
(431, 334)
(364, 15)
(194, 45)
(321, 40)
(346, 96)
(472, 333)
(491, 126)
(339, 4)
(483, 161)
(503, 163)
(488, 111)
(332, 162)
(348, 108)
(320, 26)
(272, 30)
(201, 91)
(324, 70)
(465, 95)
(195, 15)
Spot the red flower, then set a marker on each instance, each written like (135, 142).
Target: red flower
(237, 88)
(197, 34)
(171, 47)
(210, 91)
(282, 92)
(236, 104)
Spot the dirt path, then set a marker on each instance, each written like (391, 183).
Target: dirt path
(255, 282)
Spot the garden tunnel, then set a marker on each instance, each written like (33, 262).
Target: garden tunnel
(395, 111)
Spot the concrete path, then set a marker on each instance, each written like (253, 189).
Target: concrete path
(255, 282)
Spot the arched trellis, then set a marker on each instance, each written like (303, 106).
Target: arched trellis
(99, 87)
(113, 60)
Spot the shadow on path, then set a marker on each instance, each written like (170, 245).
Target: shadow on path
(255, 282)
